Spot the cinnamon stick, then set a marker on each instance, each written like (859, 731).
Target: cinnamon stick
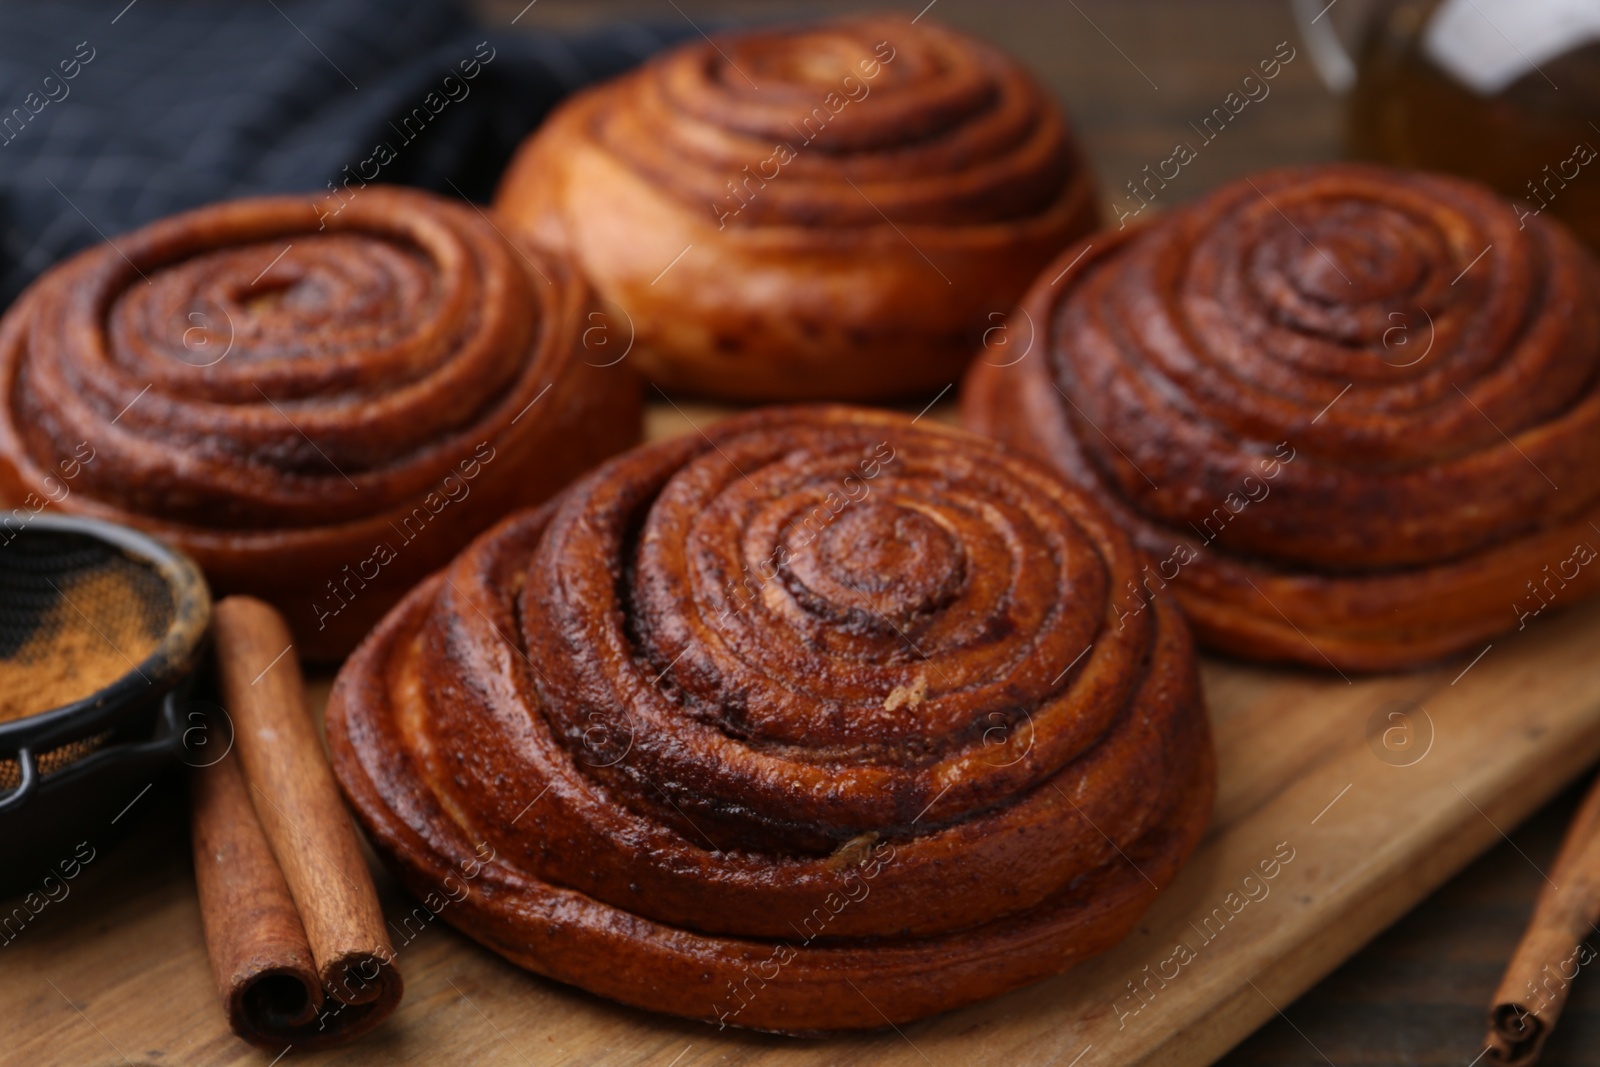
(257, 943)
(1554, 948)
(296, 936)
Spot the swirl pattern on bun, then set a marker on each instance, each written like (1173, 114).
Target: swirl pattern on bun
(827, 211)
(1350, 412)
(319, 410)
(824, 698)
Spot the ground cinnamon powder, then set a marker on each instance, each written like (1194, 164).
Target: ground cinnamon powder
(100, 629)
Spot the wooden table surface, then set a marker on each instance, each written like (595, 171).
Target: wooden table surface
(1133, 74)
(1365, 826)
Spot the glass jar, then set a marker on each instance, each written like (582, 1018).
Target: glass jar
(1504, 91)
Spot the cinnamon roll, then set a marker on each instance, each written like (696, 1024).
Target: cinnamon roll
(319, 407)
(820, 720)
(1349, 412)
(822, 212)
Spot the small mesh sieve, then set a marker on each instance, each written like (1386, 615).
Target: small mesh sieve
(98, 623)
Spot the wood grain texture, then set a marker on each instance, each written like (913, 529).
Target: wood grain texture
(1416, 995)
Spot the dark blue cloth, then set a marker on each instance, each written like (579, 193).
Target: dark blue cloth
(113, 115)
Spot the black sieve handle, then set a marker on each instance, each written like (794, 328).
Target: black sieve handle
(28, 780)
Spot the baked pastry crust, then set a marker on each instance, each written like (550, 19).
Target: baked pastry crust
(844, 231)
(319, 408)
(863, 777)
(1350, 412)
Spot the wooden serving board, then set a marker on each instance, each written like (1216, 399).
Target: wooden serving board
(1379, 789)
